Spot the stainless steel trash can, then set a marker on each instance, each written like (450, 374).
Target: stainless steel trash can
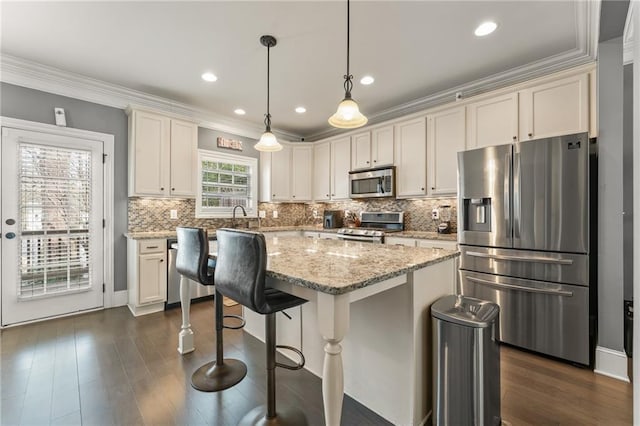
(466, 362)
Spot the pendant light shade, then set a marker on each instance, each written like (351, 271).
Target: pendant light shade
(348, 115)
(268, 141)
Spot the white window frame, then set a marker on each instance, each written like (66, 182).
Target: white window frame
(226, 212)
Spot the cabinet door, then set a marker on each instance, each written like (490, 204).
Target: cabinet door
(149, 155)
(281, 174)
(445, 137)
(301, 160)
(322, 171)
(411, 158)
(493, 121)
(557, 108)
(340, 166)
(184, 155)
(361, 151)
(152, 278)
(382, 146)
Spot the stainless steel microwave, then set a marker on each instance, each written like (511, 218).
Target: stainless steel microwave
(373, 183)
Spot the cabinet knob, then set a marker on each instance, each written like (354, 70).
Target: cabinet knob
(433, 188)
(273, 195)
(367, 162)
(294, 196)
(162, 189)
(161, 260)
(515, 138)
(333, 195)
(327, 195)
(375, 161)
(530, 134)
(421, 189)
(173, 189)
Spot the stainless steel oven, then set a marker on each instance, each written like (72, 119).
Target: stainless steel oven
(374, 183)
(373, 227)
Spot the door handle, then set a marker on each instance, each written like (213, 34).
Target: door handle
(521, 288)
(532, 259)
(10, 235)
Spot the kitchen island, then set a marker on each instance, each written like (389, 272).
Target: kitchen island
(372, 299)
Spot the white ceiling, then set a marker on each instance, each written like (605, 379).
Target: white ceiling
(414, 49)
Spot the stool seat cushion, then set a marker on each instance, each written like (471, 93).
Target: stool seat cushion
(240, 272)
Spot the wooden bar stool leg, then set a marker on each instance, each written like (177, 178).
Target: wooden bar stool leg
(222, 373)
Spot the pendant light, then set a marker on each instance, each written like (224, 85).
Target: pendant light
(348, 115)
(268, 141)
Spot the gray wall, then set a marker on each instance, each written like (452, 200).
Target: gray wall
(208, 139)
(34, 105)
(627, 173)
(610, 235)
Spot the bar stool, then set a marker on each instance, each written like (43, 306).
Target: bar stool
(193, 262)
(240, 274)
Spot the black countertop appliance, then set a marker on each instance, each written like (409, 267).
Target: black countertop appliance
(332, 219)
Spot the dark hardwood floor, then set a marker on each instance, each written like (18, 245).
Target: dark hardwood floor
(108, 367)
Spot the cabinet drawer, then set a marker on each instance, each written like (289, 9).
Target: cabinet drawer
(152, 246)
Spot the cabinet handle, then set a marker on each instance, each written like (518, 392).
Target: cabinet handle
(150, 247)
(530, 134)
(515, 138)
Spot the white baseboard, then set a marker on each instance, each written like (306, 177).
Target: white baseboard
(611, 363)
(120, 298)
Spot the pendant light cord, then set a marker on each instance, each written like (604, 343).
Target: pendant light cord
(267, 119)
(348, 84)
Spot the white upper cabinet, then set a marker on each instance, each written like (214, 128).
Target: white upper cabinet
(372, 149)
(322, 171)
(556, 108)
(301, 162)
(162, 156)
(184, 158)
(411, 158)
(286, 175)
(382, 146)
(281, 174)
(446, 134)
(493, 121)
(340, 167)
(361, 151)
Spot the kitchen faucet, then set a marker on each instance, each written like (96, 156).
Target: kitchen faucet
(233, 217)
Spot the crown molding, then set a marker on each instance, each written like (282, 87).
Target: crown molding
(627, 36)
(587, 23)
(25, 73)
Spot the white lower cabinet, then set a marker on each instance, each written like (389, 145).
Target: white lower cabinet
(437, 244)
(399, 241)
(146, 275)
(322, 235)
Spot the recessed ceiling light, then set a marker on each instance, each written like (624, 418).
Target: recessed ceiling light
(301, 110)
(209, 76)
(485, 28)
(240, 111)
(367, 79)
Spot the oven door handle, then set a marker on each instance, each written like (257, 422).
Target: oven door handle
(520, 287)
(357, 238)
(532, 259)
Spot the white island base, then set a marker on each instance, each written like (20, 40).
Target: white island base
(374, 342)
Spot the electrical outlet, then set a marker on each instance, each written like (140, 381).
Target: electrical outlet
(435, 214)
(262, 214)
(173, 214)
(275, 214)
(315, 214)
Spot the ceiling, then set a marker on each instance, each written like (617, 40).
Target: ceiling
(414, 49)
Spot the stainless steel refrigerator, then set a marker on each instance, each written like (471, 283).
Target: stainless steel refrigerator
(527, 236)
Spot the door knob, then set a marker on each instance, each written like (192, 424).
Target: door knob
(10, 235)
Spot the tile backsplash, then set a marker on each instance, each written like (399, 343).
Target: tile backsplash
(147, 214)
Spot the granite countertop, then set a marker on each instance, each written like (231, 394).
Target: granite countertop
(404, 234)
(337, 267)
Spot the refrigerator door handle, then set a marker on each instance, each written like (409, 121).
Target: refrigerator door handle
(517, 193)
(522, 288)
(533, 259)
(507, 194)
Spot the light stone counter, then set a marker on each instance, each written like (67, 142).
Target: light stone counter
(337, 267)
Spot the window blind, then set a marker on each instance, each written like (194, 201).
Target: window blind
(55, 210)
